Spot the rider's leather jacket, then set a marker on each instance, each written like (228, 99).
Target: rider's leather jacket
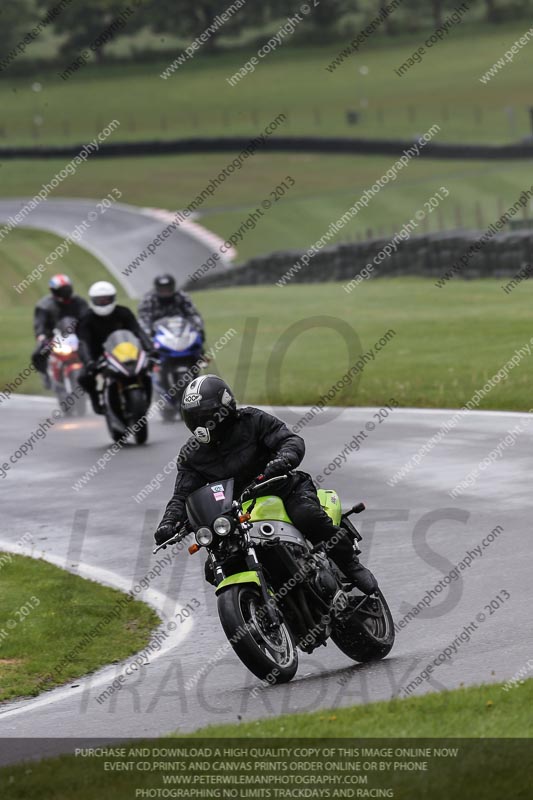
(93, 331)
(49, 311)
(152, 308)
(251, 440)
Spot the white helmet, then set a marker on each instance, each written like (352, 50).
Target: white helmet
(103, 298)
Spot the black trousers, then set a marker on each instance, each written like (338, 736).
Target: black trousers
(87, 381)
(39, 358)
(303, 507)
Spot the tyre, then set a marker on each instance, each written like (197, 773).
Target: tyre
(364, 631)
(168, 413)
(136, 409)
(268, 653)
(115, 434)
(141, 432)
(74, 406)
(80, 406)
(61, 401)
(78, 402)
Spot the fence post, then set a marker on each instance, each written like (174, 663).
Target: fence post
(479, 216)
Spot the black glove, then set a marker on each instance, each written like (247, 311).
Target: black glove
(166, 530)
(90, 368)
(42, 344)
(278, 466)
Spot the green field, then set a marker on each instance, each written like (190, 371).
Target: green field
(444, 90)
(448, 341)
(326, 186)
(198, 100)
(485, 771)
(46, 612)
(20, 253)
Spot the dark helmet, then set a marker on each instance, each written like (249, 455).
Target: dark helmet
(165, 287)
(61, 288)
(208, 407)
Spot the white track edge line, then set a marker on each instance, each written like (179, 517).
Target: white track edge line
(157, 600)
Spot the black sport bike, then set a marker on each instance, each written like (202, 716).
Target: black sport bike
(127, 387)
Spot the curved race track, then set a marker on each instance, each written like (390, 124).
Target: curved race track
(118, 235)
(414, 534)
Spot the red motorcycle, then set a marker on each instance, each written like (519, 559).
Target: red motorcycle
(64, 367)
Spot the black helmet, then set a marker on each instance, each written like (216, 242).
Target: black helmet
(207, 407)
(165, 287)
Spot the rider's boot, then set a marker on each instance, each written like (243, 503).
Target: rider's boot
(341, 550)
(360, 576)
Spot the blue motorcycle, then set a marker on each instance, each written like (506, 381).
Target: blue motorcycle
(179, 346)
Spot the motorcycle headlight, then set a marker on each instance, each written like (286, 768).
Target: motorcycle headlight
(222, 526)
(204, 536)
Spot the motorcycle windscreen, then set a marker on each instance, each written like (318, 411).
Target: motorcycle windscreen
(66, 326)
(206, 504)
(123, 345)
(176, 333)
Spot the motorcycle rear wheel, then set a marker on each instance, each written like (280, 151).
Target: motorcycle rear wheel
(270, 653)
(168, 413)
(367, 632)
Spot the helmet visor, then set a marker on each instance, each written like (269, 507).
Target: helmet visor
(104, 300)
(62, 292)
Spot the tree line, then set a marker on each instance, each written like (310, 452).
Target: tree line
(80, 22)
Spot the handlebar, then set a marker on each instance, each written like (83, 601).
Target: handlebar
(253, 487)
(178, 536)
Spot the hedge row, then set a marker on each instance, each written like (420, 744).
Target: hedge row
(278, 144)
(433, 255)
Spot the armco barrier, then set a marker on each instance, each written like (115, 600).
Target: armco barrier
(278, 144)
(428, 256)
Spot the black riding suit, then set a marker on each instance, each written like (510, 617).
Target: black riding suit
(252, 440)
(48, 312)
(93, 331)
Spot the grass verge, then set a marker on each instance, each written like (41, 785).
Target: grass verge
(475, 712)
(490, 768)
(45, 614)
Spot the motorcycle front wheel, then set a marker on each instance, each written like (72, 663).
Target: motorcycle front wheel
(136, 409)
(267, 650)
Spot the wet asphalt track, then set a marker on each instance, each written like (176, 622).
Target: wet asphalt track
(117, 236)
(413, 532)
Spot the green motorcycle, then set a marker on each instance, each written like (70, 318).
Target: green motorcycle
(276, 593)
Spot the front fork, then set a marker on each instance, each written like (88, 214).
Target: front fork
(253, 565)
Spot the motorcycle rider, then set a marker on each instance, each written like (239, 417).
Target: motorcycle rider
(103, 318)
(249, 444)
(60, 303)
(164, 300)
